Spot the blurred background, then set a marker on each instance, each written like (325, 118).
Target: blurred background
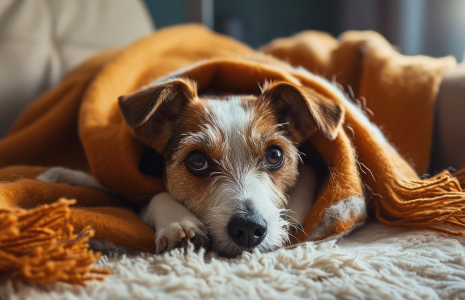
(430, 27)
(41, 40)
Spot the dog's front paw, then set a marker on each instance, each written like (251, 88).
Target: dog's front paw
(177, 234)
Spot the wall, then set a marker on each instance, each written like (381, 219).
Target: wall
(430, 27)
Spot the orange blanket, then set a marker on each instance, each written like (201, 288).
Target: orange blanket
(78, 125)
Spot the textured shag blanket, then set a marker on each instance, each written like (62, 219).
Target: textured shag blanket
(374, 262)
(79, 125)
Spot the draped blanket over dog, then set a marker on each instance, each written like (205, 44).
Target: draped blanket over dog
(78, 125)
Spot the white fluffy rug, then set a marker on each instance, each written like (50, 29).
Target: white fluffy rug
(375, 262)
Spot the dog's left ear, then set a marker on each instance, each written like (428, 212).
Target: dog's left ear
(305, 110)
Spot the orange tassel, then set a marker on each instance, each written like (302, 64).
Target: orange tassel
(33, 250)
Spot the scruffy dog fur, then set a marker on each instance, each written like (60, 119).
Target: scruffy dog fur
(232, 171)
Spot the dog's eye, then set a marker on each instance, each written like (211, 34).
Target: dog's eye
(197, 163)
(274, 158)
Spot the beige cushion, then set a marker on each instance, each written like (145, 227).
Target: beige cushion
(40, 40)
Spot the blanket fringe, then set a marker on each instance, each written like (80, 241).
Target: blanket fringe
(436, 203)
(33, 250)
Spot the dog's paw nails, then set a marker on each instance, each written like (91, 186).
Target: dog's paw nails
(164, 242)
(181, 234)
(177, 235)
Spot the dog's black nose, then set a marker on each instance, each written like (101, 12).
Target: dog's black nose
(247, 230)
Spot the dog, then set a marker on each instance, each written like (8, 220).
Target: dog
(232, 169)
(233, 173)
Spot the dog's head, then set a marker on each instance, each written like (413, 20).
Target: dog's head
(231, 160)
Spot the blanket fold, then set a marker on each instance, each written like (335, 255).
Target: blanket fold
(78, 125)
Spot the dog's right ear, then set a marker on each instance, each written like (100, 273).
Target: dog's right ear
(151, 112)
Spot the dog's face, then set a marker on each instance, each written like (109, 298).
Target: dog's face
(231, 159)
